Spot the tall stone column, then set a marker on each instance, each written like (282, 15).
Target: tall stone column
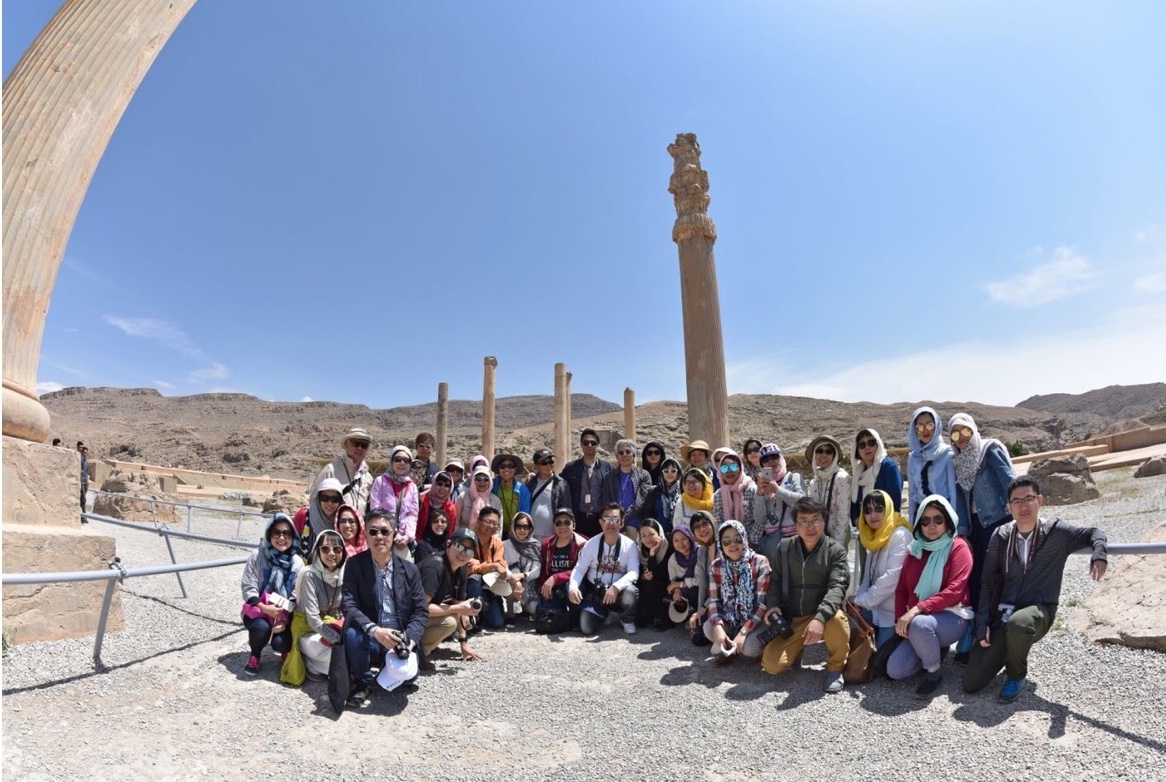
(562, 426)
(704, 346)
(570, 415)
(62, 102)
(490, 364)
(442, 422)
(629, 414)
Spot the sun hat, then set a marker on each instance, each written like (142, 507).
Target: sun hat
(695, 445)
(520, 468)
(497, 584)
(678, 611)
(356, 433)
(396, 671)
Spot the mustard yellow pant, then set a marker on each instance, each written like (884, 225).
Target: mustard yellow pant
(780, 653)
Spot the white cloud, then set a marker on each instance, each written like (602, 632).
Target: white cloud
(1117, 350)
(163, 332)
(215, 371)
(1065, 275)
(47, 387)
(307, 399)
(1146, 234)
(1151, 283)
(162, 384)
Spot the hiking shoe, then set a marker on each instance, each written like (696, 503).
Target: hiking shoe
(834, 681)
(358, 698)
(252, 666)
(930, 684)
(629, 628)
(1011, 690)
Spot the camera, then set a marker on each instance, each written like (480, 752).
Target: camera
(775, 625)
(476, 604)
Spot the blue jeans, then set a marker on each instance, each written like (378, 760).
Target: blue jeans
(360, 650)
(926, 637)
(491, 615)
(882, 634)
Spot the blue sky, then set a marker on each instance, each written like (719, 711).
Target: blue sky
(353, 202)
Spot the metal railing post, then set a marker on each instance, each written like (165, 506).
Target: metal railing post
(165, 533)
(189, 511)
(110, 585)
(239, 526)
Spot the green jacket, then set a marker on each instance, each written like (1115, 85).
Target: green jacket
(815, 583)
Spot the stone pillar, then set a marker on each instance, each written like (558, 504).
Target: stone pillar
(562, 425)
(442, 423)
(704, 346)
(62, 102)
(629, 414)
(491, 364)
(570, 415)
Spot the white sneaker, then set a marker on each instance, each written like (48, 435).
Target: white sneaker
(629, 628)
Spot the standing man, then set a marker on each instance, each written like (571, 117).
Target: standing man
(383, 602)
(1021, 587)
(628, 485)
(423, 445)
(808, 581)
(548, 493)
(351, 470)
(84, 475)
(585, 476)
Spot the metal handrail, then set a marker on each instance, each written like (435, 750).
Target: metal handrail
(189, 507)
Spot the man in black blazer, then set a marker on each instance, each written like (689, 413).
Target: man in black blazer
(384, 604)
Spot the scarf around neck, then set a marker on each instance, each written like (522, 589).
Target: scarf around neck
(733, 500)
(864, 477)
(931, 579)
(737, 588)
(705, 501)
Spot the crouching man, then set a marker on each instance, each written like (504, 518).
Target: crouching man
(443, 576)
(607, 570)
(808, 582)
(1021, 587)
(384, 605)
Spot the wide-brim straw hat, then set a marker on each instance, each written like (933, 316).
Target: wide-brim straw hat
(695, 445)
(507, 457)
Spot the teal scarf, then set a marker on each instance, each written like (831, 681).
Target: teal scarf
(931, 579)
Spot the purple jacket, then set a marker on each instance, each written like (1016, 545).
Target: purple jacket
(383, 496)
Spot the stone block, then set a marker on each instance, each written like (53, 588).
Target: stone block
(1065, 480)
(42, 484)
(1129, 606)
(1151, 467)
(46, 612)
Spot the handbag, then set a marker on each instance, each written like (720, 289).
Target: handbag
(339, 685)
(859, 663)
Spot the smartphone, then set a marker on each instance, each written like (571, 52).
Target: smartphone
(767, 473)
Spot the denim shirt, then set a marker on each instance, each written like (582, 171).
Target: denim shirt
(989, 493)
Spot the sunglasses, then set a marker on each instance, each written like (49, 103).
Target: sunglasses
(731, 467)
(467, 550)
(611, 519)
(653, 452)
(446, 484)
(402, 460)
(347, 520)
(932, 521)
(733, 541)
(331, 549)
(925, 427)
(752, 450)
(866, 444)
(376, 532)
(283, 533)
(825, 451)
(329, 498)
(624, 453)
(507, 466)
(360, 444)
(481, 479)
(545, 462)
(523, 526)
(672, 470)
(563, 522)
(590, 443)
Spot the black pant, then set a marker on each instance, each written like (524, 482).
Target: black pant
(587, 524)
(259, 630)
(978, 538)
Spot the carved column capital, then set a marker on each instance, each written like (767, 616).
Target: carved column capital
(689, 187)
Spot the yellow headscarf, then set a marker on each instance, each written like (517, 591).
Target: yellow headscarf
(876, 540)
(706, 496)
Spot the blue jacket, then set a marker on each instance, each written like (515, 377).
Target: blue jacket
(890, 480)
(523, 503)
(935, 457)
(987, 502)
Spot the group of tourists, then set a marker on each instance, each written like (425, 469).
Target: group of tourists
(745, 555)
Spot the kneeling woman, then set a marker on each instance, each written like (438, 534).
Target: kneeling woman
(652, 608)
(932, 597)
(269, 588)
(738, 586)
(884, 536)
(318, 620)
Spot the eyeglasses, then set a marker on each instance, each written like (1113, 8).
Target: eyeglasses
(490, 522)
(402, 460)
(824, 450)
(611, 519)
(330, 498)
(360, 444)
(523, 526)
(810, 523)
(624, 453)
(426, 446)
(1026, 500)
(481, 479)
(932, 521)
(733, 541)
(590, 443)
(347, 520)
(862, 444)
(928, 426)
(331, 549)
(563, 522)
(730, 467)
(376, 532)
(283, 533)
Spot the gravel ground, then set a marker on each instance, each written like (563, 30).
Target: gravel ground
(174, 703)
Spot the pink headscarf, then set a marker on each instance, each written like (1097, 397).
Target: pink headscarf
(733, 500)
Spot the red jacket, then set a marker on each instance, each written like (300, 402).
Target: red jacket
(423, 517)
(548, 552)
(953, 592)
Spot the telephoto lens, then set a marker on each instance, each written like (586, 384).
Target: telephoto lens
(476, 604)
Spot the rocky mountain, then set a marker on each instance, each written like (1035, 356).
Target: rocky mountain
(1113, 403)
(239, 433)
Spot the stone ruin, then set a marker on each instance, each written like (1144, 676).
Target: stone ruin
(131, 499)
(1065, 480)
(284, 501)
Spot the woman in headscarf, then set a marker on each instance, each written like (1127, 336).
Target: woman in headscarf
(435, 538)
(884, 536)
(738, 493)
(479, 496)
(752, 452)
(706, 551)
(830, 486)
(983, 471)
(682, 580)
(524, 557)
(697, 496)
(317, 621)
(433, 502)
(351, 529)
(662, 499)
(873, 469)
(269, 589)
(931, 599)
(652, 459)
(929, 467)
(652, 608)
(395, 492)
(780, 489)
(738, 587)
(319, 515)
